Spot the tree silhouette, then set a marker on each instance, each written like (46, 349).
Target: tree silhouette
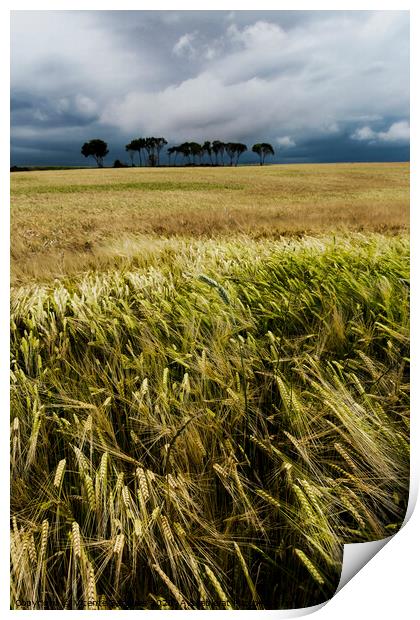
(206, 148)
(217, 147)
(171, 151)
(141, 145)
(135, 146)
(240, 148)
(130, 148)
(231, 150)
(98, 149)
(150, 146)
(177, 152)
(185, 150)
(222, 152)
(263, 149)
(195, 150)
(159, 144)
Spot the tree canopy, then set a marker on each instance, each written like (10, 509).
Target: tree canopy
(98, 149)
(235, 149)
(263, 149)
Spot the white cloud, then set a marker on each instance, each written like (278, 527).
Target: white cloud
(286, 142)
(259, 34)
(85, 105)
(211, 52)
(311, 79)
(397, 133)
(184, 46)
(307, 81)
(363, 133)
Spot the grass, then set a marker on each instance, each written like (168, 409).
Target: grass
(97, 188)
(202, 424)
(66, 222)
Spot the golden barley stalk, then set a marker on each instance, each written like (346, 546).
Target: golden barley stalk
(172, 587)
(141, 476)
(201, 588)
(151, 475)
(16, 531)
(311, 568)
(44, 537)
(103, 469)
(90, 491)
(248, 578)
(111, 508)
(41, 558)
(303, 501)
(33, 439)
(172, 482)
(118, 551)
(166, 529)
(76, 539)
(59, 473)
(269, 498)
(219, 469)
(82, 461)
(120, 482)
(345, 456)
(119, 544)
(155, 514)
(91, 588)
(125, 493)
(32, 548)
(144, 387)
(218, 587)
(138, 527)
(353, 511)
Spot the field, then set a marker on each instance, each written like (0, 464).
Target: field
(210, 382)
(73, 220)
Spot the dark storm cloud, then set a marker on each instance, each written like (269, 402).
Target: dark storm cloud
(49, 112)
(319, 85)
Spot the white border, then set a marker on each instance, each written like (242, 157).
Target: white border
(387, 586)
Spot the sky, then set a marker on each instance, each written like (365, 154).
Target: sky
(320, 86)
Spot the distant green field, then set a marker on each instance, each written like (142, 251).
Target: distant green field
(161, 186)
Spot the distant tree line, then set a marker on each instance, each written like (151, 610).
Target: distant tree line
(148, 152)
(214, 151)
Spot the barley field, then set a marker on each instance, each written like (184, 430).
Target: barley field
(209, 382)
(64, 221)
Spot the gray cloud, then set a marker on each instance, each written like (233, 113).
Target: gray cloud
(294, 78)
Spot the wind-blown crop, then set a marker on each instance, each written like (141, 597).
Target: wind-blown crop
(205, 443)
